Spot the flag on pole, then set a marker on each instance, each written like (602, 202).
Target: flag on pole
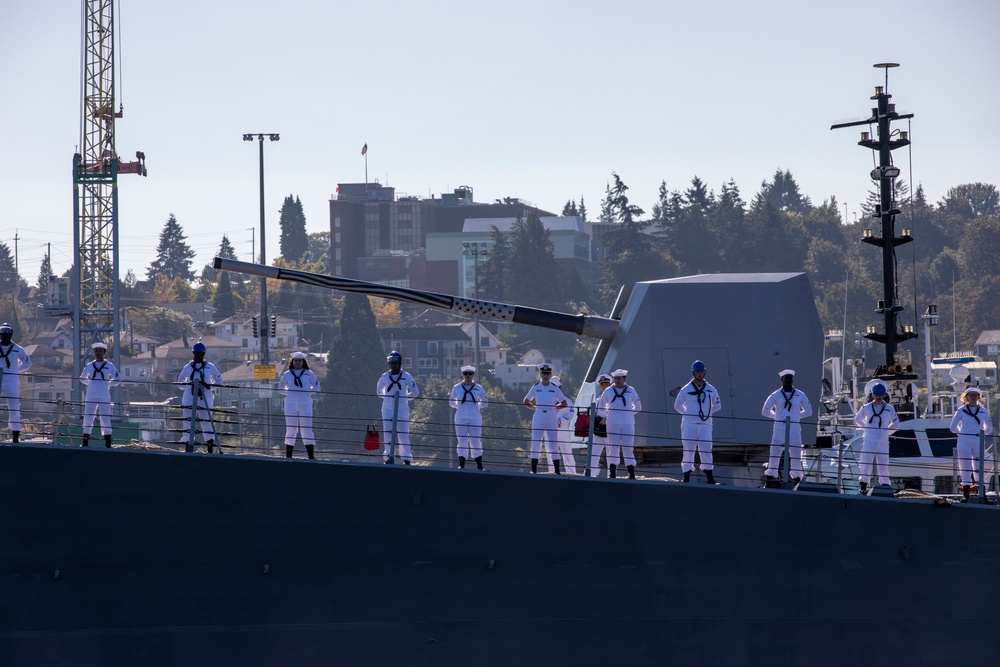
(364, 149)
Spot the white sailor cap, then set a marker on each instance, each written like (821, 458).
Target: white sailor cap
(620, 373)
(787, 371)
(973, 390)
(297, 355)
(556, 380)
(469, 369)
(603, 377)
(99, 346)
(545, 367)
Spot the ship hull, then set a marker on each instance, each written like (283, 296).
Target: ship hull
(113, 557)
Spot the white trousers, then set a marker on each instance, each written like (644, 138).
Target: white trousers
(402, 435)
(299, 419)
(10, 388)
(595, 455)
(90, 411)
(879, 453)
(696, 436)
(622, 437)
(547, 430)
(778, 450)
(968, 457)
(470, 437)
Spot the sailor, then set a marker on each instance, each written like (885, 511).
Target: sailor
(564, 437)
(99, 376)
(600, 441)
(396, 382)
(791, 403)
(545, 399)
(697, 401)
(13, 361)
(297, 385)
(879, 420)
(203, 375)
(969, 421)
(620, 402)
(468, 398)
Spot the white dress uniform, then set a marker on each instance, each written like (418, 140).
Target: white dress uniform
(13, 361)
(468, 401)
(697, 405)
(620, 404)
(99, 377)
(297, 386)
(878, 422)
(779, 405)
(204, 373)
(388, 387)
(967, 424)
(545, 420)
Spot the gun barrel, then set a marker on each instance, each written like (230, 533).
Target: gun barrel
(590, 326)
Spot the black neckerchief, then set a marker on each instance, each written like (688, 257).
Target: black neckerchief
(621, 395)
(198, 372)
(701, 393)
(98, 369)
(298, 378)
(469, 393)
(397, 382)
(974, 415)
(877, 414)
(788, 399)
(6, 355)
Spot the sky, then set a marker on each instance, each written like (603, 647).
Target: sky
(539, 100)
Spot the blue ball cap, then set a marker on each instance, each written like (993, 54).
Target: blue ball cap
(394, 358)
(199, 347)
(879, 390)
(6, 329)
(698, 365)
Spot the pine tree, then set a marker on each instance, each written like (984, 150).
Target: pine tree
(224, 304)
(583, 209)
(12, 314)
(9, 280)
(492, 270)
(294, 240)
(173, 255)
(44, 272)
(357, 359)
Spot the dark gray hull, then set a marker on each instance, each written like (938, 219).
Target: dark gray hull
(161, 560)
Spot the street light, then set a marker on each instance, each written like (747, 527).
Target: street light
(265, 352)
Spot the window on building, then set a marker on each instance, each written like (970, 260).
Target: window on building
(432, 347)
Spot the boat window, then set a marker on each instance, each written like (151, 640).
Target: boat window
(903, 443)
(945, 484)
(905, 483)
(942, 441)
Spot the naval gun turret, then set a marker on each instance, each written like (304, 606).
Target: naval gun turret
(746, 327)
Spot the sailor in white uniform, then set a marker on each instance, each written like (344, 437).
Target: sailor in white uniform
(99, 376)
(13, 361)
(396, 382)
(297, 385)
(620, 402)
(600, 442)
(878, 420)
(697, 401)
(969, 421)
(546, 400)
(564, 437)
(794, 404)
(468, 399)
(204, 375)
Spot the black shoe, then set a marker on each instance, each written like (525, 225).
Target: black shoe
(631, 472)
(534, 466)
(107, 441)
(795, 483)
(288, 451)
(405, 462)
(86, 440)
(479, 463)
(709, 478)
(311, 452)
(210, 445)
(461, 462)
(687, 476)
(555, 464)
(612, 471)
(15, 436)
(864, 488)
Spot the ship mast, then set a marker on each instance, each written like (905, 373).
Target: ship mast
(886, 141)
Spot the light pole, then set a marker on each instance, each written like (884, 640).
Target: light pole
(475, 250)
(265, 352)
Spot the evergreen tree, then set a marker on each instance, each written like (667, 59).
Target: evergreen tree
(319, 249)
(44, 272)
(583, 209)
(493, 269)
(570, 208)
(357, 359)
(12, 313)
(294, 240)
(173, 255)
(9, 280)
(210, 274)
(531, 276)
(224, 303)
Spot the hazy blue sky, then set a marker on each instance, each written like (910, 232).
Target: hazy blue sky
(540, 100)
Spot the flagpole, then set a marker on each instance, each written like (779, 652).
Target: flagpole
(364, 152)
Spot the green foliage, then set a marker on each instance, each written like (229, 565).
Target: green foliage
(224, 302)
(44, 271)
(319, 249)
(12, 313)
(9, 280)
(160, 323)
(357, 360)
(210, 274)
(173, 255)
(294, 241)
